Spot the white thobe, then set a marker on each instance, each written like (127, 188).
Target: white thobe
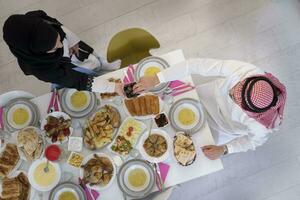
(229, 124)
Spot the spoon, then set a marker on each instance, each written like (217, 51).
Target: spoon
(150, 129)
(46, 169)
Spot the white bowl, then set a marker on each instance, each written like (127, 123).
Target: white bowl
(144, 153)
(59, 192)
(98, 187)
(131, 187)
(32, 180)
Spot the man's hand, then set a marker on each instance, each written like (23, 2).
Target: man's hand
(119, 89)
(145, 83)
(74, 50)
(213, 152)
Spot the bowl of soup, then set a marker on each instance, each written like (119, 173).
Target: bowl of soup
(137, 178)
(41, 179)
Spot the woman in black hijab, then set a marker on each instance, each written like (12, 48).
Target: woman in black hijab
(39, 43)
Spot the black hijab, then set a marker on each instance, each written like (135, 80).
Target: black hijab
(30, 36)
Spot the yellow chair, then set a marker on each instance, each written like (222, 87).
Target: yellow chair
(131, 46)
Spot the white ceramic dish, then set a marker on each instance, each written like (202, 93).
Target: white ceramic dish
(91, 105)
(71, 106)
(26, 104)
(67, 186)
(97, 187)
(16, 173)
(18, 165)
(150, 158)
(193, 105)
(152, 61)
(21, 153)
(11, 112)
(131, 187)
(56, 114)
(32, 181)
(143, 128)
(146, 117)
(59, 192)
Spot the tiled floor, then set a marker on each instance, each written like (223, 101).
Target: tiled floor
(263, 32)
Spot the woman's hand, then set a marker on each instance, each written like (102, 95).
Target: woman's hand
(213, 152)
(74, 50)
(119, 89)
(145, 83)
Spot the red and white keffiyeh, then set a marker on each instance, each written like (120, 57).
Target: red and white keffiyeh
(261, 96)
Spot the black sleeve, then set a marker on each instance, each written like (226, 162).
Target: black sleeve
(63, 75)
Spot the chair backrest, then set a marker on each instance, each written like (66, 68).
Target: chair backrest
(131, 46)
(6, 97)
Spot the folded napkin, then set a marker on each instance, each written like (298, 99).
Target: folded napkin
(1, 118)
(95, 194)
(90, 194)
(129, 75)
(179, 87)
(54, 102)
(164, 170)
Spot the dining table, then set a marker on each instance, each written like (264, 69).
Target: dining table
(177, 174)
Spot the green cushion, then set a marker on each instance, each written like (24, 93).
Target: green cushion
(131, 46)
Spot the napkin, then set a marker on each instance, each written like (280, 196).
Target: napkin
(1, 118)
(164, 170)
(54, 102)
(179, 87)
(129, 75)
(95, 194)
(90, 194)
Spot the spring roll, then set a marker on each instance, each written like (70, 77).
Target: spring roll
(142, 102)
(154, 105)
(130, 107)
(137, 107)
(148, 104)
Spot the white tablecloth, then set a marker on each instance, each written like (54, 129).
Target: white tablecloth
(177, 174)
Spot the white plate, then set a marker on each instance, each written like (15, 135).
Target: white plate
(21, 153)
(98, 187)
(16, 173)
(90, 119)
(131, 187)
(65, 100)
(11, 106)
(161, 107)
(59, 192)
(56, 114)
(193, 105)
(31, 175)
(143, 128)
(18, 165)
(147, 62)
(150, 158)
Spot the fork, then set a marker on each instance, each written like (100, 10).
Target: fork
(159, 182)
